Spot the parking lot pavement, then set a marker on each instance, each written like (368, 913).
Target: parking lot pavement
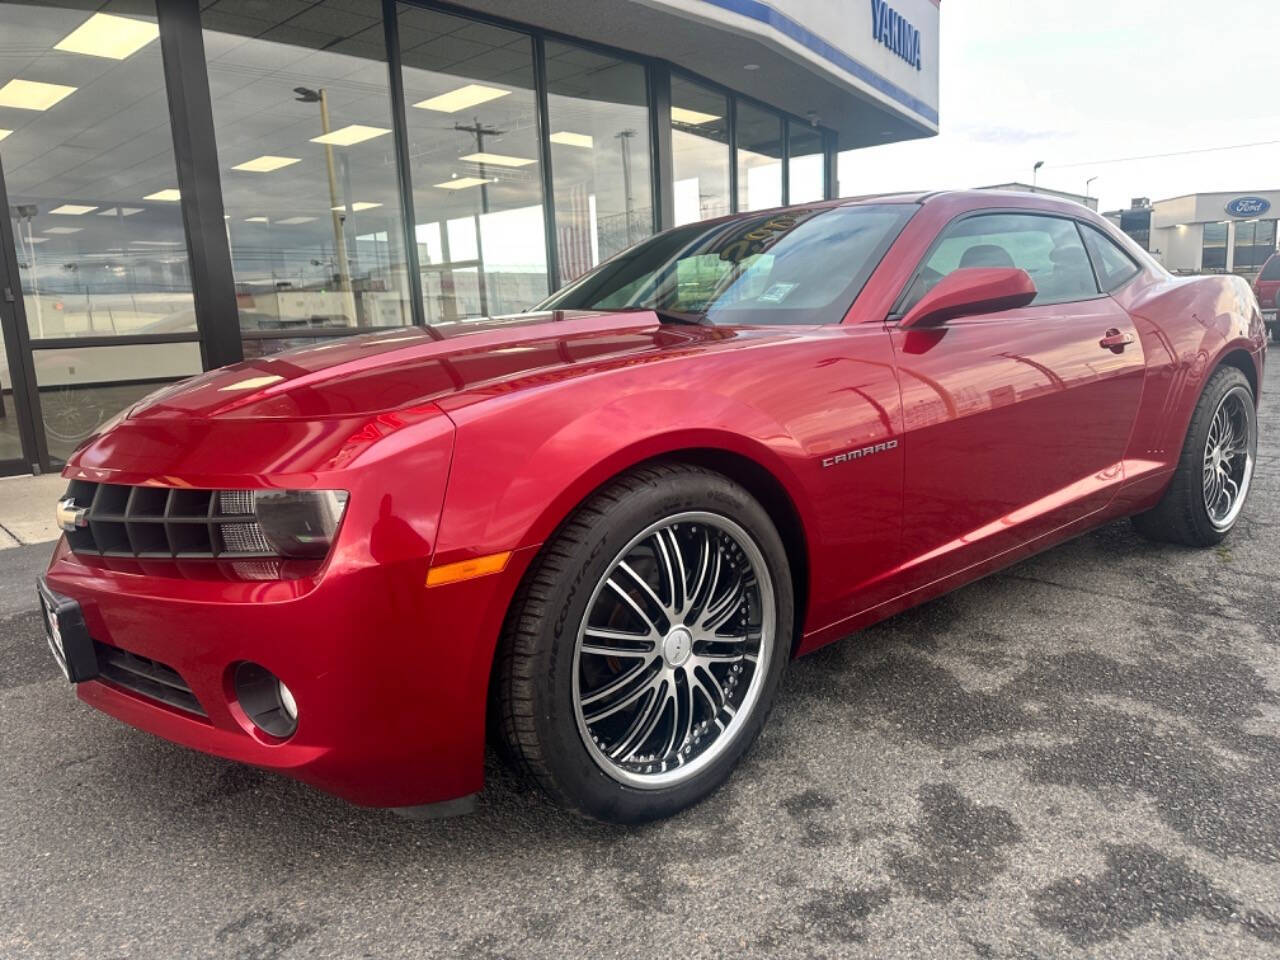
(1077, 757)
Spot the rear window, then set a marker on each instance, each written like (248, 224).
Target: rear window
(1271, 269)
(1113, 265)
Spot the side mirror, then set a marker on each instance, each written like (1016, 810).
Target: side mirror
(970, 290)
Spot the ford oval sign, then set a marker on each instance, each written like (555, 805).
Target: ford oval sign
(1248, 206)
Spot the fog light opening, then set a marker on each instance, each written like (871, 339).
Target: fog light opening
(267, 702)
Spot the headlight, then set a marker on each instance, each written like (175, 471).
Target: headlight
(299, 523)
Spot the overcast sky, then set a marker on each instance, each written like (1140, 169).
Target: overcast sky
(1081, 84)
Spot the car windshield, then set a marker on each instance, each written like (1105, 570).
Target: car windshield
(786, 267)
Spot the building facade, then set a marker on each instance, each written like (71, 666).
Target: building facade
(192, 182)
(1232, 232)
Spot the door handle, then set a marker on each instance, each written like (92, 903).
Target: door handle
(1115, 341)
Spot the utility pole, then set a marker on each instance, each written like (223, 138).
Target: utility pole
(1086, 189)
(1034, 172)
(336, 208)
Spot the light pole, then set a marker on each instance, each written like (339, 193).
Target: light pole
(306, 95)
(1086, 190)
(1034, 171)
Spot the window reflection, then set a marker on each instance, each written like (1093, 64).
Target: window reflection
(700, 151)
(1213, 256)
(598, 126)
(90, 173)
(805, 172)
(302, 112)
(759, 157)
(473, 144)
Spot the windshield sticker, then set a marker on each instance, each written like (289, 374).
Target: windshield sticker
(776, 293)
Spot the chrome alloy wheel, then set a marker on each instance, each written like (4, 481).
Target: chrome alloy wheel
(674, 650)
(1229, 454)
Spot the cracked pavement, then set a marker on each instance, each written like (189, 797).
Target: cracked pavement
(1077, 757)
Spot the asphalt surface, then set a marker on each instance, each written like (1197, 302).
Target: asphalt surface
(1077, 757)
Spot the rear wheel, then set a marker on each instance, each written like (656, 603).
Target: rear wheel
(1211, 483)
(643, 651)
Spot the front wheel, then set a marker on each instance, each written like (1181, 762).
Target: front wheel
(645, 646)
(1211, 483)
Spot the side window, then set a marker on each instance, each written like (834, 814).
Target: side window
(1048, 248)
(1114, 266)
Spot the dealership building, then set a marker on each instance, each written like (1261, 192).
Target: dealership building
(192, 182)
(1232, 232)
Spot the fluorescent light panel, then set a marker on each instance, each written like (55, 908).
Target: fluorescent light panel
(4, 133)
(122, 211)
(293, 221)
(171, 195)
(256, 220)
(62, 230)
(693, 117)
(461, 183)
(106, 35)
(567, 138)
(497, 159)
(357, 206)
(266, 164)
(471, 95)
(72, 210)
(32, 95)
(350, 135)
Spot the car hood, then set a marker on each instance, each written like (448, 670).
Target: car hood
(408, 367)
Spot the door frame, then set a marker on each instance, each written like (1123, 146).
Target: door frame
(17, 344)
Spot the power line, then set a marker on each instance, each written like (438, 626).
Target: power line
(1160, 156)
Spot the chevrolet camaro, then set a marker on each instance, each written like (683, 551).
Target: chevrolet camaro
(596, 532)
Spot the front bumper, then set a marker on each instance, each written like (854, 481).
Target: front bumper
(390, 677)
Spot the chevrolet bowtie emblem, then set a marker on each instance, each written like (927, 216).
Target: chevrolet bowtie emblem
(69, 516)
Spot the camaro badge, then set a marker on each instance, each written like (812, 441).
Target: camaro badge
(859, 453)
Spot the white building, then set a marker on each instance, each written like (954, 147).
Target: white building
(1231, 232)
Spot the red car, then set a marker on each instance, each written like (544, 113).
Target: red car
(599, 531)
(1267, 289)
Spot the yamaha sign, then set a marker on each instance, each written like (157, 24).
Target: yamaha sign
(1248, 206)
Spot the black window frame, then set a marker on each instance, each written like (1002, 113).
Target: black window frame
(899, 308)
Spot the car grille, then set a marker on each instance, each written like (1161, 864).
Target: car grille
(151, 678)
(165, 522)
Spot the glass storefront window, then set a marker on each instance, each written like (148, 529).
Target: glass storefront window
(302, 115)
(598, 126)
(1213, 255)
(700, 151)
(472, 123)
(1255, 241)
(759, 135)
(81, 388)
(90, 173)
(804, 163)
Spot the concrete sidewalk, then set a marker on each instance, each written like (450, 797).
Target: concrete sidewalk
(26, 509)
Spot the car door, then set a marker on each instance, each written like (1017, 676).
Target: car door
(1016, 422)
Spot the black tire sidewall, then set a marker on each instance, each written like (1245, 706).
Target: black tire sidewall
(576, 774)
(1220, 384)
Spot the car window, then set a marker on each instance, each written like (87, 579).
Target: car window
(1271, 269)
(1113, 265)
(1048, 248)
(798, 267)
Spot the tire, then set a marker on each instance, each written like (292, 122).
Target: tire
(560, 691)
(1185, 514)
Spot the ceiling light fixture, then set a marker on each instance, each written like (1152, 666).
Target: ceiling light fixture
(122, 211)
(357, 206)
(471, 95)
(567, 138)
(497, 159)
(293, 221)
(171, 195)
(349, 135)
(4, 133)
(266, 164)
(72, 210)
(461, 183)
(692, 117)
(32, 95)
(62, 230)
(256, 220)
(106, 35)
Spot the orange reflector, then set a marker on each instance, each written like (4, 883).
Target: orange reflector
(467, 569)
